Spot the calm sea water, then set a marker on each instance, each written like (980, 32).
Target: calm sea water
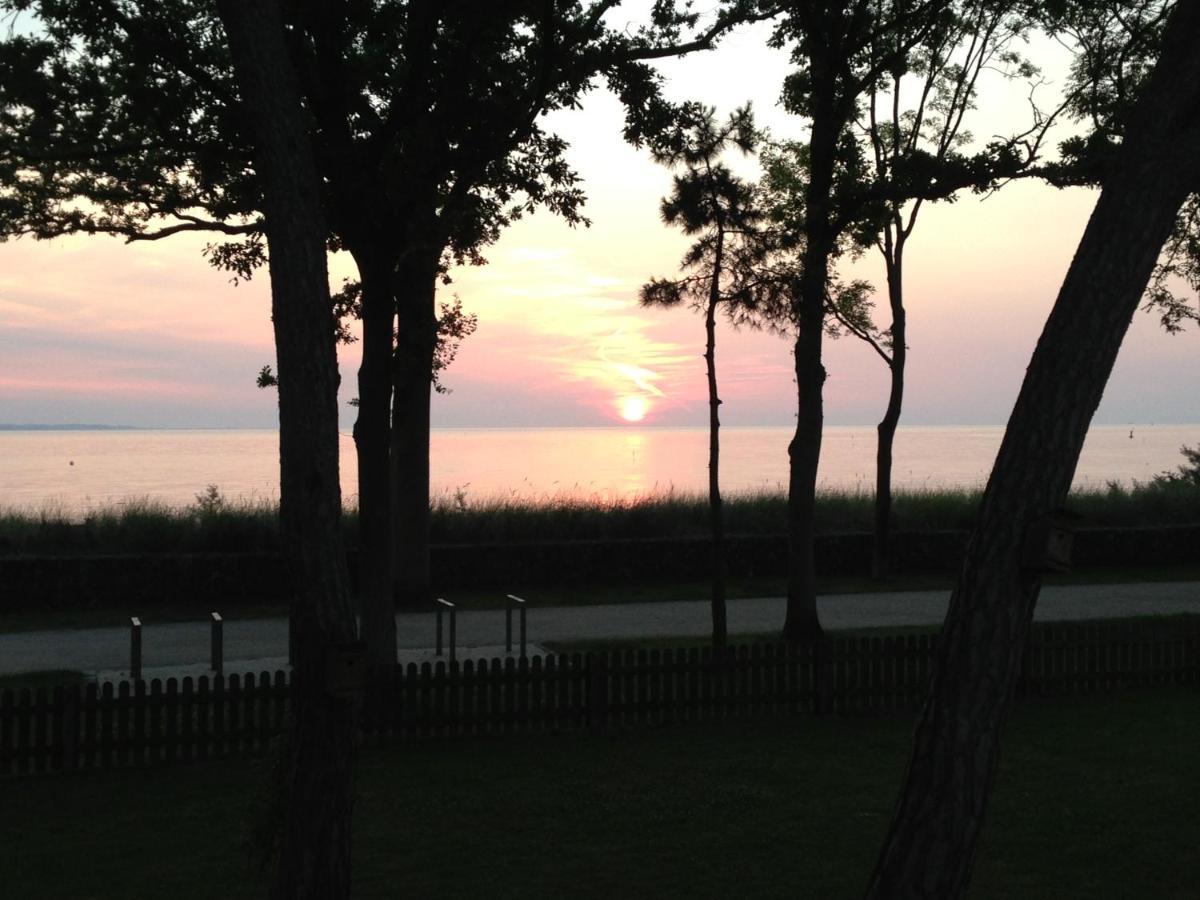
(76, 470)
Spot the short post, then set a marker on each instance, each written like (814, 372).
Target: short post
(442, 606)
(135, 648)
(217, 654)
(438, 643)
(512, 598)
(291, 622)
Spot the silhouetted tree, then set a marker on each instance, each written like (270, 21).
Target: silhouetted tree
(482, 83)
(917, 153)
(708, 200)
(931, 844)
(1115, 43)
(834, 47)
(453, 327)
(318, 758)
(831, 197)
(122, 118)
(1187, 475)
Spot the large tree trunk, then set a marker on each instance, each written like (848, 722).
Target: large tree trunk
(314, 849)
(931, 845)
(720, 634)
(372, 441)
(412, 381)
(886, 429)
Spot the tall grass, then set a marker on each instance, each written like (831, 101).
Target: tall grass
(211, 525)
(678, 514)
(216, 524)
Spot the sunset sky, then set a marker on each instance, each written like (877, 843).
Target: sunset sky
(92, 330)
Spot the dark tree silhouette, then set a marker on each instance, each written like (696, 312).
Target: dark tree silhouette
(916, 154)
(1115, 43)
(1187, 475)
(708, 200)
(834, 48)
(931, 844)
(479, 79)
(123, 118)
(830, 196)
(318, 759)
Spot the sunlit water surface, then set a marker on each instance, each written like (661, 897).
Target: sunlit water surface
(77, 470)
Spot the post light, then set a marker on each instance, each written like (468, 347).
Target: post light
(508, 623)
(442, 606)
(135, 648)
(217, 645)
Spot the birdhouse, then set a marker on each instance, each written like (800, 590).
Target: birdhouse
(345, 669)
(1048, 543)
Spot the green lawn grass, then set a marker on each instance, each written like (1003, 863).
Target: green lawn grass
(1095, 798)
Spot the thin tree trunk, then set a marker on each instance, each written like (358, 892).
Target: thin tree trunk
(372, 435)
(804, 455)
(804, 451)
(314, 849)
(886, 430)
(412, 374)
(931, 845)
(720, 635)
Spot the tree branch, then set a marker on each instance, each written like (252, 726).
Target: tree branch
(724, 22)
(190, 223)
(866, 337)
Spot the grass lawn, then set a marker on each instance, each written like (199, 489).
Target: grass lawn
(1095, 798)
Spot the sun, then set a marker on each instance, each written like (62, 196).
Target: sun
(633, 407)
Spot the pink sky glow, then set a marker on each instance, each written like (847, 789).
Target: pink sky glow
(93, 330)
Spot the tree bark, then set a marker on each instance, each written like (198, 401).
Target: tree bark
(372, 432)
(412, 382)
(720, 634)
(886, 430)
(314, 844)
(931, 845)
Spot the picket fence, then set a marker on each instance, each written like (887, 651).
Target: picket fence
(147, 723)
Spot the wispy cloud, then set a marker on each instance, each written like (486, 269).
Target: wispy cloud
(93, 286)
(103, 386)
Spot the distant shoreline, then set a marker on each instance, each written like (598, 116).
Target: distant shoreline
(69, 427)
(615, 427)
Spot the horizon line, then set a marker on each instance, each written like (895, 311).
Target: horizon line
(622, 426)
